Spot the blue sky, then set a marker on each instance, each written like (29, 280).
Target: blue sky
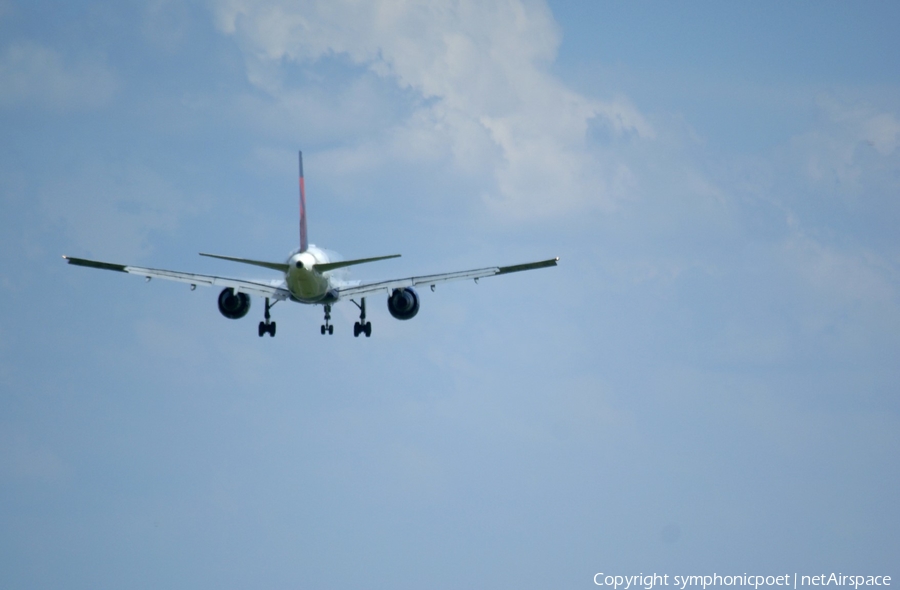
(707, 382)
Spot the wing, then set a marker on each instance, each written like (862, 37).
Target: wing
(432, 280)
(271, 289)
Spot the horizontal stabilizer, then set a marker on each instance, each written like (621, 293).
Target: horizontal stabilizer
(325, 267)
(280, 266)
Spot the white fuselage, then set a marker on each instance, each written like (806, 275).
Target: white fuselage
(305, 283)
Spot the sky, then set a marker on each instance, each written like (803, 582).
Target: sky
(708, 381)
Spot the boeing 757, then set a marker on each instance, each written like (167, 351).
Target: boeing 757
(315, 276)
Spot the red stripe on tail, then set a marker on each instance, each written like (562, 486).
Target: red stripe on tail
(304, 242)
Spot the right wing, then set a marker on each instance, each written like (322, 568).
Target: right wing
(271, 289)
(432, 280)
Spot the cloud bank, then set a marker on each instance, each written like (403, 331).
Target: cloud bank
(32, 73)
(485, 96)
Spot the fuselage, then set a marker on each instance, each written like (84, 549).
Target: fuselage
(306, 284)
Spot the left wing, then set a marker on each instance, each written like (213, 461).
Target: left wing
(432, 280)
(270, 289)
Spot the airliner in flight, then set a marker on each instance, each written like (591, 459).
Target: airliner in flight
(313, 276)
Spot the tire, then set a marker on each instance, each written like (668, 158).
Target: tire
(272, 329)
(323, 329)
(330, 330)
(368, 329)
(262, 329)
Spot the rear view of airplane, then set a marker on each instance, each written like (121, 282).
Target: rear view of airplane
(313, 276)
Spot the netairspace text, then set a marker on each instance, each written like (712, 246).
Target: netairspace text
(649, 581)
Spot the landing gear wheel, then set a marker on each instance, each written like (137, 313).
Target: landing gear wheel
(327, 327)
(267, 327)
(362, 326)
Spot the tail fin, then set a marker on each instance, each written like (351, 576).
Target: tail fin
(304, 242)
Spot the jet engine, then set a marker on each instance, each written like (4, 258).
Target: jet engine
(403, 303)
(233, 305)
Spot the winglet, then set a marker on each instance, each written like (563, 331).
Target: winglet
(304, 241)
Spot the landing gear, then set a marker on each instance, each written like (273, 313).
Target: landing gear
(362, 326)
(327, 327)
(267, 327)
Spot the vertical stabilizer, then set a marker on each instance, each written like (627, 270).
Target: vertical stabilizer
(304, 242)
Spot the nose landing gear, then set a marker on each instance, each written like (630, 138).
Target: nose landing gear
(327, 327)
(362, 326)
(267, 327)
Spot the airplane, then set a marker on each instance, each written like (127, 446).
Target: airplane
(315, 276)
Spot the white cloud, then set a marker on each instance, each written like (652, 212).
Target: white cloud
(850, 303)
(480, 71)
(33, 74)
(844, 277)
(851, 149)
(110, 211)
(865, 125)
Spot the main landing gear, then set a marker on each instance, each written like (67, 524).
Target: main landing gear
(362, 326)
(327, 327)
(267, 326)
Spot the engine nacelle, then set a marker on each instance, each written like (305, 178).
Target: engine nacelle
(233, 305)
(403, 303)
